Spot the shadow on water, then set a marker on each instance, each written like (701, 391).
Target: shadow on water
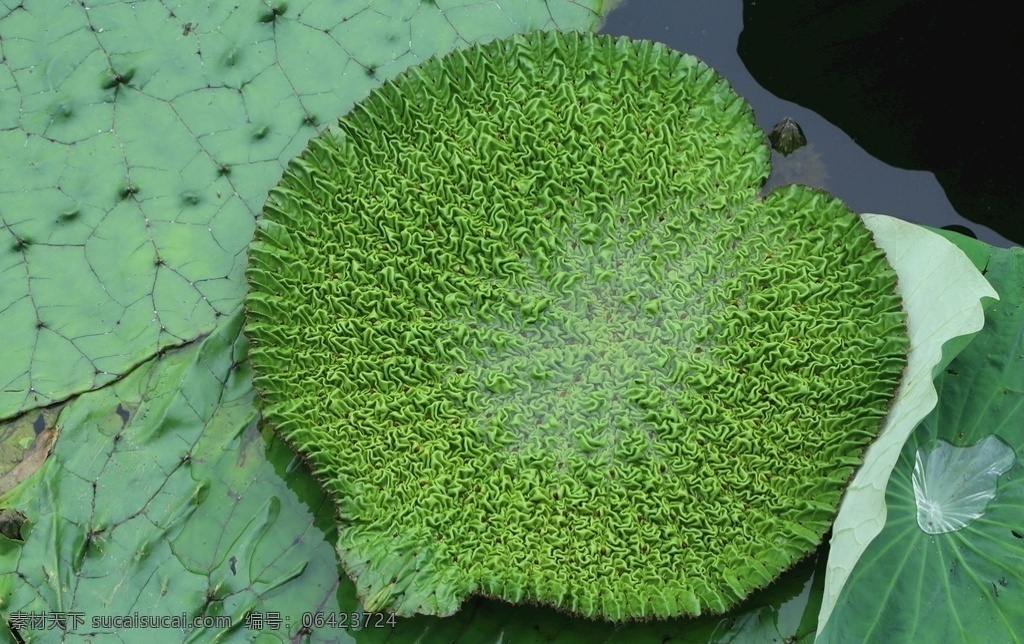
(873, 96)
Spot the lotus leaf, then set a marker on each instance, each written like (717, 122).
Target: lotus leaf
(160, 499)
(943, 292)
(138, 141)
(962, 581)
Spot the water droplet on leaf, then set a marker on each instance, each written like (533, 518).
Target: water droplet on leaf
(953, 485)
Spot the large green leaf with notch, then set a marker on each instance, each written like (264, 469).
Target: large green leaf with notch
(138, 141)
(526, 317)
(948, 564)
(121, 233)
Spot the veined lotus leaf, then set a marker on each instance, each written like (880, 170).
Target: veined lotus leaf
(138, 141)
(525, 317)
(947, 564)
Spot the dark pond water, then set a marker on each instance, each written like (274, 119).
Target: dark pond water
(710, 30)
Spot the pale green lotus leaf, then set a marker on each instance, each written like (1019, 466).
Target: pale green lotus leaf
(161, 498)
(942, 291)
(138, 141)
(961, 578)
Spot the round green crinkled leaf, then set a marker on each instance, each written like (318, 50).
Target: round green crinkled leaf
(525, 317)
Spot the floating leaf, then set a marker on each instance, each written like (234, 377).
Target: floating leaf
(526, 318)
